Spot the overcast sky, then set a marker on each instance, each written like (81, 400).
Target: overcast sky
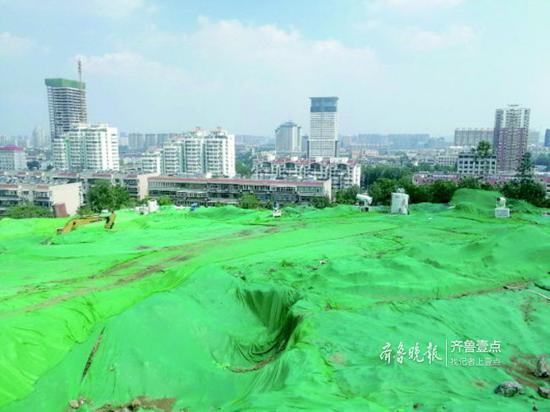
(248, 65)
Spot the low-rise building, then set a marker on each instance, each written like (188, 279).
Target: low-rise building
(342, 172)
(63, 198)
(472, 164)
(135, 184)
(12, 158)
(210, 191)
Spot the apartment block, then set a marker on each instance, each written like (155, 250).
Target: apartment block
(87, 147)
(200, 153)
(471, 164)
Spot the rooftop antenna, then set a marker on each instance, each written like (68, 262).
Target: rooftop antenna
(79, 65)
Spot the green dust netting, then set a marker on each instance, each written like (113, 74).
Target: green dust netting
(230, 309)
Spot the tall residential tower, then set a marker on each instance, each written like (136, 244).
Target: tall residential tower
(510, 136)
(323, 133)
(67, 105)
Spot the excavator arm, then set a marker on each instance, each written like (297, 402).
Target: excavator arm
(81, 221)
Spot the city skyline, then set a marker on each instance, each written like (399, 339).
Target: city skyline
(148, 65)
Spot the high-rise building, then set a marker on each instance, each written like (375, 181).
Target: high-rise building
(12, 158)
(87, 147)
(471, 137)
(323, 133)
(547, 138)
(200, 153)
(510, 136)
(67, 105)
(288, 140)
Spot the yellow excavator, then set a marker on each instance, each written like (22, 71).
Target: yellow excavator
(85, 220)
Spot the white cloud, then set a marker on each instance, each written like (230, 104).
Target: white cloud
(425, 40)
(223, 71)
(12, 45)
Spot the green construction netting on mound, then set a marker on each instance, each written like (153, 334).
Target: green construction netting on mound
(229, 309)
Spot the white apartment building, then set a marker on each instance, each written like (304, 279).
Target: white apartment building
(12, 158)
(87, 147)
(471, 164)
(200, 153)
(288, 140)
(323, 133)
(342, 172)
(150, 162)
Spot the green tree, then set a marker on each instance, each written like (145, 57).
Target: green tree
(347, 196)
(243, 164)
(469, 183)
(483, 149)
(525, 168)
(26, 210)
(320, 202)
(382, 189)
(417, 193)
(165, 201)
(249, 201)
(528, 190)
(103, 195)
(442, 191)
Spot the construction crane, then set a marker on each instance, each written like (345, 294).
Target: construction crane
(85, 220)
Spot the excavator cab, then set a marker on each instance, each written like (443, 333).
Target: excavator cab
(85, 220)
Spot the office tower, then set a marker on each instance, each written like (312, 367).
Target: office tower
(510, 136)
(547, 138)
(288, 140)
(87, 147)
(67, 105)
(12, 158)
(472, 137)
(200, 153)
(323, 133)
